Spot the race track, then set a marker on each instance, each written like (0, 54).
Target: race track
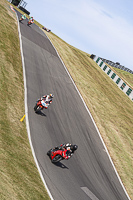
(89, 174)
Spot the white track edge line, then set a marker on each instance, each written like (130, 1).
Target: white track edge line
(26, 114)
(92, 121)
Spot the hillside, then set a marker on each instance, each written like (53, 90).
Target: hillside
(126, 76)
(110, 107)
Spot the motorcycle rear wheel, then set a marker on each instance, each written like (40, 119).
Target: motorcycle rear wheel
(37, 108)
(57, 158)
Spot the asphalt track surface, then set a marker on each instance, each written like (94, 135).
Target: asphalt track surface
(89, 174)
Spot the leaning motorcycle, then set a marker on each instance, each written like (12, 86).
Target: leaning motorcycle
(56, 155)
(22, 18)
(61, 152)
(30, 22)
(40, 105)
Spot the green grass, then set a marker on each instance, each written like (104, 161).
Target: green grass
(110, 107)
(19, 176)
(125, 76)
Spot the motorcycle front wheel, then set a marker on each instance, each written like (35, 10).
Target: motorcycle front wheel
(49, 152)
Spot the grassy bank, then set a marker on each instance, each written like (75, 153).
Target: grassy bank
(126, 76)
(109, 106)
(111, 109)
(19, 176)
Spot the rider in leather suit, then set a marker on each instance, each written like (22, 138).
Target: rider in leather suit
(47, 98)
(70, 150)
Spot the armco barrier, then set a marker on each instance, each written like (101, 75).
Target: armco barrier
(116, 65)
(120, 83)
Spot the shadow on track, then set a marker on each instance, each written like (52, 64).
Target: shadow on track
(40, 113)
(59, 164)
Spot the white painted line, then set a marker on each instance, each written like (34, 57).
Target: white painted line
(93, 122)
(89, 193)
(26, 113)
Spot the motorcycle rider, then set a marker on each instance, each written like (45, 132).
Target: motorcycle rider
(47, 98)
(22, 17)
(70, 150)
(31, 20)
(44, 102)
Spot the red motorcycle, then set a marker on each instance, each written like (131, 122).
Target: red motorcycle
(30, 22)
(57, 155)
(62, 152)
(40, 105)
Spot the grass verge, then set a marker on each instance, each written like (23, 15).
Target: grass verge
(18, 173)
(125, 76)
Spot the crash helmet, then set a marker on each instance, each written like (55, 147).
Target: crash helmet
(51, 95)
(74, 147)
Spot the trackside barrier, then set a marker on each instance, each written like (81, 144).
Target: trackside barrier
(120, 83)
(117, 65)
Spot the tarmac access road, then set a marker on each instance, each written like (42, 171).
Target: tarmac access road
(89, 174)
